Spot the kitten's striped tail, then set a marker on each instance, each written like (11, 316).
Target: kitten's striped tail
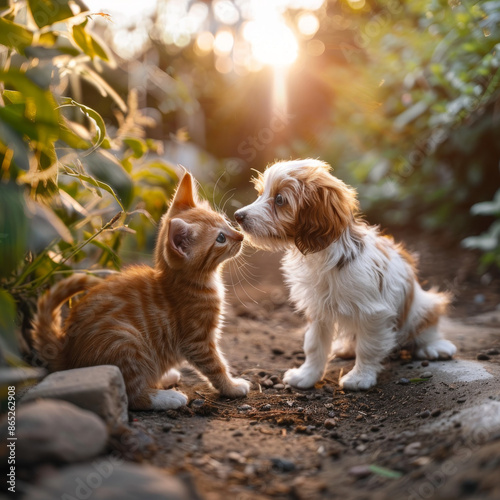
(47, 331)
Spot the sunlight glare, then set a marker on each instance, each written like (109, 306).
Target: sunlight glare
(356, 4)
(308, 24)
(272, 42)
(223, 43)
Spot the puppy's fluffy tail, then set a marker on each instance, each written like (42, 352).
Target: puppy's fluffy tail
(47, 331)
(433, 305)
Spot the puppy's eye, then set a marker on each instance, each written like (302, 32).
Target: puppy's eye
(279, 200)
(221, 238)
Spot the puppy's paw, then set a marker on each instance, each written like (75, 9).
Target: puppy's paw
(168, 400)
(170, 378)
(439, 349)
(238, 388)
(358, 381)
(302, 378)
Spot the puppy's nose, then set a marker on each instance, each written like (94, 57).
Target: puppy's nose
(239, 215)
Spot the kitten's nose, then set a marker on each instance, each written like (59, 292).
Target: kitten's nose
(239, 215)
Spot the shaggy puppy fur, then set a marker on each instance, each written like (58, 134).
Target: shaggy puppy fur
(354, 285)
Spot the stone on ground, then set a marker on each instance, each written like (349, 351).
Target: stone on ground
(56, 431)
(110, 479)
(100, 389)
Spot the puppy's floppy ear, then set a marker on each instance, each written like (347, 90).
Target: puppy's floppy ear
(326, 208)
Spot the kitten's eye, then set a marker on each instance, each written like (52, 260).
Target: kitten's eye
(221, 238)
(279, 200)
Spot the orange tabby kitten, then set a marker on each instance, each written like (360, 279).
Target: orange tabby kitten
(148, 320)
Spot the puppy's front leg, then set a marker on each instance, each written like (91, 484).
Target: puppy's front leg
(375, 340)
(317, 347)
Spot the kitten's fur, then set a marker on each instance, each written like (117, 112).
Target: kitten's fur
(148, 320)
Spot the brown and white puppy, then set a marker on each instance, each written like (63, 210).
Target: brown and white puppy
(354, 285)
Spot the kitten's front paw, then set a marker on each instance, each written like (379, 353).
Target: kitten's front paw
(440, 349)
(168, 400)
(238, 389)
(302, 378)
(358, 381)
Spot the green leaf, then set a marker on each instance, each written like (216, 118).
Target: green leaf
(13, 141)
(13, 228)
(94, 116)
(8, 323)
(13, 96)
(384, 472)
(103, 166)
(14, 35)
(45, 226)
(87, 43)
(138, 146)
(46, 12)
(44, 106)
(93, 182)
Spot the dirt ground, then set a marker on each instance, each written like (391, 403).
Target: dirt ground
(410, 437)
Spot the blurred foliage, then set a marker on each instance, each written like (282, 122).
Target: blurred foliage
(69, 191)
(402, 98)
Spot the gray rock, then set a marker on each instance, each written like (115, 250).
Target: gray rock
(426, 375)
(56, 431)
(100, 389)
(110, 479)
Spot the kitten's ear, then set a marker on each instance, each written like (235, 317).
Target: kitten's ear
(185, 196)
(180, 235)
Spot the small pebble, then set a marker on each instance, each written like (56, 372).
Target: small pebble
(436, 412)
(493, 352)
(403, 381)
(197, 403)
(167, 427)
(275, 379)
(360, 471)
(331, 414)
(234, 456)
(244, 408)
(279, 387)
(426, 375)
(330, 423)
(282, 465)
(412, 449)
(425, 363)
(265, 407)
(425, 414)
(237, 434)
(267, 383)
(483, 357)
(463, 399)
(361, 448)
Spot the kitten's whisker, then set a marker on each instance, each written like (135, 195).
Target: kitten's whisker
(215, 189)
(234, 287)
(228, 200)
(247, 280)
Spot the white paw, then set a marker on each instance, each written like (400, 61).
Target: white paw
(237, 389)
(441, 348)
(358, 381)
(171, 377)
(302, 378)
(168, 400)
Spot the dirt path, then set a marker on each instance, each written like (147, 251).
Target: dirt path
(412, 436)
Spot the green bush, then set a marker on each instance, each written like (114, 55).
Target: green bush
(67, 188)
